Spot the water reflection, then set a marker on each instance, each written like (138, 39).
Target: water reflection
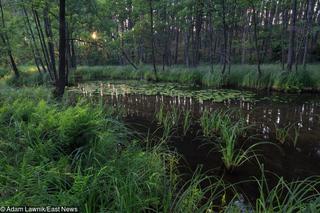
(265, 115)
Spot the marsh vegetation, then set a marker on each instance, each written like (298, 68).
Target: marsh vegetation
(160, 106)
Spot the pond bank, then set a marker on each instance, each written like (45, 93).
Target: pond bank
(240, 76)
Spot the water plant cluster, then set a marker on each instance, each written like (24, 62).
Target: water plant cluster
(240, 76)
(169, 120)
(289, 133)
(227, 134)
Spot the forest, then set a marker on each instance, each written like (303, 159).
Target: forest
(160, 106)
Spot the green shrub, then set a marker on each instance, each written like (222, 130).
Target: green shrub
(4, 72)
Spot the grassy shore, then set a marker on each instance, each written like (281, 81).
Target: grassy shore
(81, 154)
(240, 76)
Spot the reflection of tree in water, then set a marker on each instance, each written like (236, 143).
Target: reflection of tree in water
(265, 115)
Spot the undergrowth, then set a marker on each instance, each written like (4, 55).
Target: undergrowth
(56, 154)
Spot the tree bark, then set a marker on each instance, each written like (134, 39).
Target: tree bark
(152, 41)
(176, 55)
(61, 82)
(48, 30)
(308, 32)
(291, 50)
(255, 34)
(225, 37)
(198, 26)
(35, 49)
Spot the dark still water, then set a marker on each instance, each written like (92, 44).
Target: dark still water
(264, 112)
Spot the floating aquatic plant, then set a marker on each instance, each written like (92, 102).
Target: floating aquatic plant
(166, 89)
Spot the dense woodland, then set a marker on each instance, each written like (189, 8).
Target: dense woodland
(163, 32)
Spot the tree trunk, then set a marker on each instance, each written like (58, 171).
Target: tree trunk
(225, 37)
(61, 82)
(35, 50)
(308, 32)
(152, 41)
(291, 51)
(198, 26)
(42, 43)
(48, 30)
(255, 34)
(186, 50)
(176, 55)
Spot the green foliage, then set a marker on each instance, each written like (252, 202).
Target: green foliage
(187, 121)
(67, 155)
(29, 76)
(80, 156)
(289, 133)
(296, 196)
(4, 72)
(233, 155)
(240, 76)
(220, 125)
(168, 120)
(212, 123)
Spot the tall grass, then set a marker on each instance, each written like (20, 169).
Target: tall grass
(220, 125)
(58, 154)
(240, 76)
(289, 133)
(295, 196)
(233, 154)
(168, 120)
(187, 120)
(212, 123)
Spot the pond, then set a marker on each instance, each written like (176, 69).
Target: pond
(265, 113)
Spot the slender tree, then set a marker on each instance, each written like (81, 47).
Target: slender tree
(310, 8)
(61, 81)
(225, 37)
(152, 40)
(255, 35)
(6, 42)
(48, 30)
(291, 55)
